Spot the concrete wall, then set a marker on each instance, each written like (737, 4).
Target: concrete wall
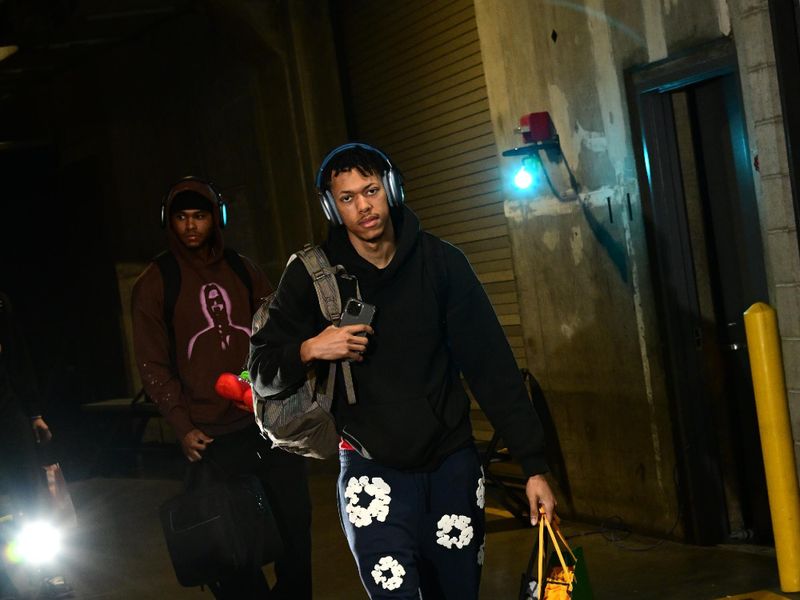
(765, 123)
(585, 280)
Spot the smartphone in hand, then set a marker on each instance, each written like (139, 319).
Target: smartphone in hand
(357, 312)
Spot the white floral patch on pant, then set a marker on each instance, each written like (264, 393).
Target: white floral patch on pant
(378, 508)
(480, 493)
(482, 551)
(390, 565)
(449, 522)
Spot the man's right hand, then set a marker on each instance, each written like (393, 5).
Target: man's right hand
(194, 443)
(336, 343)
(41, 430)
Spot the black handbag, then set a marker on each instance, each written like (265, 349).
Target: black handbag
(218, 526)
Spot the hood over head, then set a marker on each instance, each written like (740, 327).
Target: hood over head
(190, 193)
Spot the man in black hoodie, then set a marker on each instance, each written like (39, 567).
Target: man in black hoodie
(410, 486)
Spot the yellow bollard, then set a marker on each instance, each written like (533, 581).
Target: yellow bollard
(775, 428)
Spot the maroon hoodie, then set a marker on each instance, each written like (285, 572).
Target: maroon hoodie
(212, 334)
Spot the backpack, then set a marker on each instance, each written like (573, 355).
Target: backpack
(299, 419)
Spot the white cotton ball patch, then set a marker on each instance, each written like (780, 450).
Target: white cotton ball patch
(387, 564)
(449, 522)
(480, 493)
(378, 508)
(532, 593)
(482, 552)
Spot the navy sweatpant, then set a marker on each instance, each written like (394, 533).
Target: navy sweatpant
(415, 534)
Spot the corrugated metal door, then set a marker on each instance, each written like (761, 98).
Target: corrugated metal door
(414, 77)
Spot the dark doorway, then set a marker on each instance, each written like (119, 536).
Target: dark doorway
(704, 235)
(58, 271)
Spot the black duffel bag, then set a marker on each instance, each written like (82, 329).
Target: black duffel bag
(218, 526)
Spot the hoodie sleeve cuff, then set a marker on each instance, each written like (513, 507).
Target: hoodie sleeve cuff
(180, 422)
(292, 368)
(33, 408)
(534, 465)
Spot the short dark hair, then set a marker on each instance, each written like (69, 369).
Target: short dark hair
(365, 161)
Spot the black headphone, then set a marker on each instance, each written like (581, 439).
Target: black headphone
(200, 186)
(391, 179)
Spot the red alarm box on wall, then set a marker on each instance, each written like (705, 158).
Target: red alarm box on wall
(537, 127)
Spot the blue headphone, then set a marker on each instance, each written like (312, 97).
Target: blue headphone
(195, 184)
(391, 179)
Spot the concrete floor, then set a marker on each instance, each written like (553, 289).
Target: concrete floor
(117, 552)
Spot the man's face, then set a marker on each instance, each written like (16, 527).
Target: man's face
(215, 302)
(193, 227)
(362, 203)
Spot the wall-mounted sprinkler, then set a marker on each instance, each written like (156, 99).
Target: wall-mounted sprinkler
(539, 134)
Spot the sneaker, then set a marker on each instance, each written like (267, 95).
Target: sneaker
(55, 587)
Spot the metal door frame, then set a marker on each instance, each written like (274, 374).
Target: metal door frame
(701, 490)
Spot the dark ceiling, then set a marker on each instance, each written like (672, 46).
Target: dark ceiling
(53, 35)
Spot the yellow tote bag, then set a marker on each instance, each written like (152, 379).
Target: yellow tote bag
(565, 578)
(560, 578)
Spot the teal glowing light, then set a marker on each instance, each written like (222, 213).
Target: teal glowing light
(523, 179)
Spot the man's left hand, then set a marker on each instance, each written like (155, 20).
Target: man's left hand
(539, 494)
(41, 430)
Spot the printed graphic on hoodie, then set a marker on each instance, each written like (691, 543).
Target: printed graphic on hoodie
(221, 333)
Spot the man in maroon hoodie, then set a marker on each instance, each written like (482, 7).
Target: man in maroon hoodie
(186, 333)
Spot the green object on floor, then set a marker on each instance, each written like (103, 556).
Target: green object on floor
(583, 587)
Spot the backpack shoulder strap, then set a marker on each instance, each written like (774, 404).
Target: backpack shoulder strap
(237, 265)
(171, 277)
(323, 276)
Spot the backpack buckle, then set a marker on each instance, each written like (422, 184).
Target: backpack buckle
(321, 274)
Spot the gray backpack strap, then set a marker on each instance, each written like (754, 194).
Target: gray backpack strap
(331, 380)
(348, 382)
(324, 277)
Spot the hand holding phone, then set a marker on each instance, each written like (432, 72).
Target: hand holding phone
(357, 312)
(334, 344)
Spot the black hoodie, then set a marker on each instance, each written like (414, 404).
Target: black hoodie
(412, 411)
